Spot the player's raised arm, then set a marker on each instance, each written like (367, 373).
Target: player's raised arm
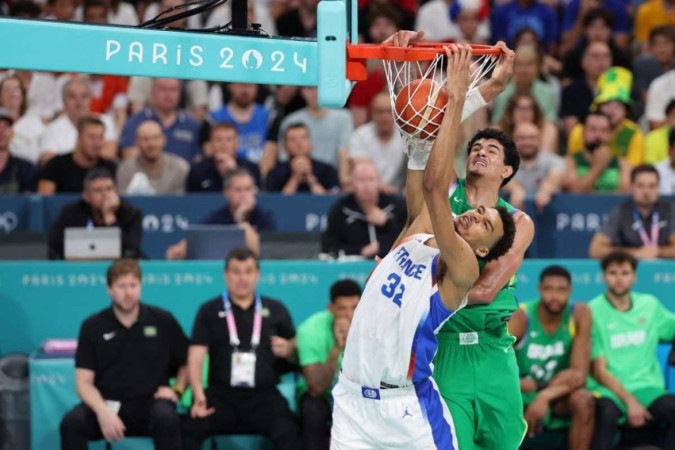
(439, 172)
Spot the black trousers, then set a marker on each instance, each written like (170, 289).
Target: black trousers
(315, 417)
(157, 419)
(607, 415)
(244, 411)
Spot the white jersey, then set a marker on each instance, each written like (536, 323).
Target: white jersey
(392, 338)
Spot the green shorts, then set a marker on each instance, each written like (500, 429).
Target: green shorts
(477, 376)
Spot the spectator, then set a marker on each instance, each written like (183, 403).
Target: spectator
(301, 173)
(627, 378)
(613, 100)
(123, 391)
(366, 222)
(552, 349)
(153, 171)
(250, 118)
(41, 92)
(17, 176)
(659, 60)
(118, 13)
(656, 141)
(595, 168)
(523, 108)
(240, 191)
(299, 21)
(329, 129)
(321, 342)
(380, 142)
(667, 168)
(61, 135)
(193, 97)
(652, 14)
(578, 96)
(66, 173)
(181, 130)
(541, 173)
(643, 226)
(207, 175)
(100, 206)
(63, 10)
(247, 357)
(576, 12)
(597, 27)
(660, 93)
(434, 20)
(27, 127)
(511, 17)
(470, 18)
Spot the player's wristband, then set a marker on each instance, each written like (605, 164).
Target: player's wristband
(418, 154)
(177, 390)
(472, 103)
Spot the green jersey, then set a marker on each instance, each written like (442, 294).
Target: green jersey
(628, 340)
(496, 313)
(315, 340)
(609, 179)
(542, 355)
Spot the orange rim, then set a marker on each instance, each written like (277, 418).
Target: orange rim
(422, 51)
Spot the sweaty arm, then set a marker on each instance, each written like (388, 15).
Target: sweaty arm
(497, 273)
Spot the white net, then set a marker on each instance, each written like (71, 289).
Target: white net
(418, 97)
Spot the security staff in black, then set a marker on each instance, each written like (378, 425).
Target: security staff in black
(250, 340)
(125, 357)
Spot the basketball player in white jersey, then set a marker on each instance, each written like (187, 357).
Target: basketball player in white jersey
(385, 397)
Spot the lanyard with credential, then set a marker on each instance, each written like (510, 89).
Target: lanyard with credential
(654, 238)
(232, 326)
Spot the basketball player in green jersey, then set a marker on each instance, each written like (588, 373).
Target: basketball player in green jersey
(475, 363)
(553, 353)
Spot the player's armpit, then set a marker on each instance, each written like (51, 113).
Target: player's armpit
(498, 272)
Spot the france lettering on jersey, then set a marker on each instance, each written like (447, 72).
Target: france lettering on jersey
(392, 336)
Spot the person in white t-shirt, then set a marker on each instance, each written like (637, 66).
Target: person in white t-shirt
(667, 168)
(660, 92)
(60, 136)
(434, 18)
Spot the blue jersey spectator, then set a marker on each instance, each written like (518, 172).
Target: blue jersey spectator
(509, 19)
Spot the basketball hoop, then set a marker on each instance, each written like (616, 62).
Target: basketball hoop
(416, 80)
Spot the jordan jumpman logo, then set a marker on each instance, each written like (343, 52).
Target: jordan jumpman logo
(406, 413)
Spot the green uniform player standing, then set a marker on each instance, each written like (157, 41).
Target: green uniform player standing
(553, 354)
(627, 378)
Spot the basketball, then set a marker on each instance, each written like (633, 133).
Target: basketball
(419, 108)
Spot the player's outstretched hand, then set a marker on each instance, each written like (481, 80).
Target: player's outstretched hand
(504, 69)
(404, 38)
(458, 76)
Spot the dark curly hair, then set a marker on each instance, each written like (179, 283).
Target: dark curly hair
(504, 244)
(511, 155)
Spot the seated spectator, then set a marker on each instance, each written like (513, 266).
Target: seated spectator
(595, 168)
(659, 94)
(577, 97)
(100, 206)
(667, 168)
(613, 100)
(540, 174)
(597, 26)
(369, 12)
(656, 141)
(552, 343)
(153, 171)
(659, 60)
(643, 226)
(207, 175)
(299, 20)
(181, 130)
(366, 222)
(250, 118)
(245, 366)
(301, 173)
(60, 136)
(124, 392)
(321, 342)
(66, 173)
(380, 142)
(118, 13)
(241, 209)
(523, 108)
(509, 18)
(17, 176)
(469, 18)
(627, 380)
(194, 94)
(527, 67)
(27, 127)
(577, 12)
(63, 10)
(438, 26)
(651, 14)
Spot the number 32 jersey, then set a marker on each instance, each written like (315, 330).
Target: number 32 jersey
(392, 338)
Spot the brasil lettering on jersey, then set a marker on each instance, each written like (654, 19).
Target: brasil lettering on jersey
(627, 339)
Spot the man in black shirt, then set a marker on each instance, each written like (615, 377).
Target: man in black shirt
(125, 357)
(100, 206)
(17, 176)
(65, 173)
(250, 341)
